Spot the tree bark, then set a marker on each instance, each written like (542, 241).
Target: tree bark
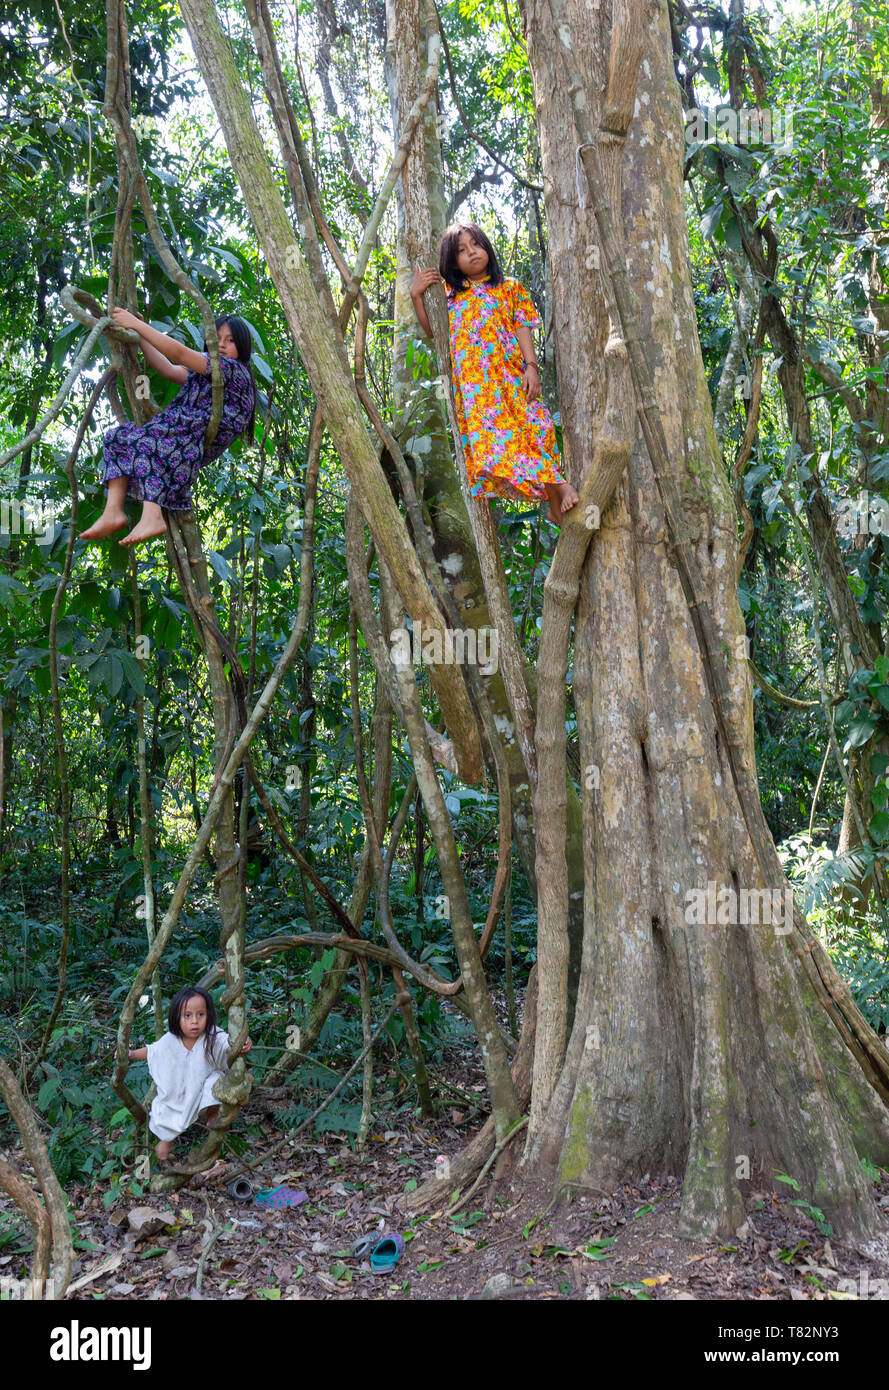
(54, 1204)
(698, 1046)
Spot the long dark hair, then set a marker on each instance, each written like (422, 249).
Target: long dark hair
(243, 341)
(179, 1000)
(447, 256)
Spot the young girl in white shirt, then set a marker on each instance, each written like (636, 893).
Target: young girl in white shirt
(185, 1064)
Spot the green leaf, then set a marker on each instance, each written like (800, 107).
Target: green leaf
(282, 555)
(115, 673)
(228, 256)
(221, 566)
(860, 732)
(591, 1253)
(177, 609)
(711, 219)
(133, 672)
(733, 232)
(8, 587)
(46, 1092)
(873, 1174)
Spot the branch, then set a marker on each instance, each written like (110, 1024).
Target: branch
(336, 908)
(273, 945)
(57, 715)
(498, 159)
(498, 1150)
(80, 362)
(117, 113)
(214, 809)
(14, 1185)
(433, 45)
(788, 701)
(470, 186)
(53, 1196)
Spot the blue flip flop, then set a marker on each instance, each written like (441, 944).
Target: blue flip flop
(387, 1253)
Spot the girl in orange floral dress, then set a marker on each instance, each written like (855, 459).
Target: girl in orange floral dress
(509, 439)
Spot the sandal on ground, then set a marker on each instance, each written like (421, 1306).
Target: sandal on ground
(387, 1253)
(281, 1196)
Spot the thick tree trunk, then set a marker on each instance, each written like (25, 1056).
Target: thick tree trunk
(698, 1045)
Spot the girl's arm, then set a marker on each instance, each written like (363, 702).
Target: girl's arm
(220, 1057)
(176, 353)
(531, 374)
(138, 1054)
(420, 283)
(162, 365)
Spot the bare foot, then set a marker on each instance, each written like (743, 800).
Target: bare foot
(108, 523)
(144, 529)
(562, 498)
(568, 496)
(162, 1149)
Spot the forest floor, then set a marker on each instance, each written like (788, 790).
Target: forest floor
(623, 1245)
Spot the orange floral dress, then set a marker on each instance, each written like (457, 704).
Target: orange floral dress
(509, 443)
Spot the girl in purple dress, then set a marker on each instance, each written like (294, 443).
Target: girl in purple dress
(157, 463)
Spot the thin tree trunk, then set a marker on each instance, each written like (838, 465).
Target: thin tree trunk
(748, 299)
(322, 355)
(53, 1196)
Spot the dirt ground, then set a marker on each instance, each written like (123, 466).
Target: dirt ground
(624, 1246)
(505, 1243)
(621, 1247)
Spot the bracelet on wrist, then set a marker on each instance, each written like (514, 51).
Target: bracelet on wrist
(530, 364)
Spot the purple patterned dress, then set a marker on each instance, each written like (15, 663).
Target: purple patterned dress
(161, 459)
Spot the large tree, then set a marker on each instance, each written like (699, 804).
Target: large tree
(699, 1044)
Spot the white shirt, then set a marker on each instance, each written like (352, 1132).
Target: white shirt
(184, 1078)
